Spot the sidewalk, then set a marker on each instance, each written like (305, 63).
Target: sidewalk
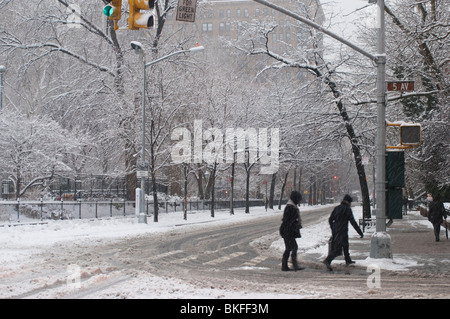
(413, 247)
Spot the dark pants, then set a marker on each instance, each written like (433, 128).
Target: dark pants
(437, 230)
(291, 248)
(337, 252)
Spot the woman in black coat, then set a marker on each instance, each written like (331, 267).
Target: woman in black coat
(339, 219)
(290, 230)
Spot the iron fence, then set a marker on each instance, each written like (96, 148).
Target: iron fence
(32, 211)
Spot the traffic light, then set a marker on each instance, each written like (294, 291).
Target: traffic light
(138, 19)
(113, 11)
(410, 134)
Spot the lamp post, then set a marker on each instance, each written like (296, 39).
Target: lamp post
(142, 165)
(2, 70)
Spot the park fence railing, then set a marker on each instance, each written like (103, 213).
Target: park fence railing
(13, 212)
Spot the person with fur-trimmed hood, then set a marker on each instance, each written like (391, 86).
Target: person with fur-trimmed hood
(290, 230)
(339, 219)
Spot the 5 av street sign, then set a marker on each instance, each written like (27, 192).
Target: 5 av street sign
(400, 86)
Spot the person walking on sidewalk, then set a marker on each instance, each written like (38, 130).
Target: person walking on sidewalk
(436, 214)
(290, 230)
(339, 219)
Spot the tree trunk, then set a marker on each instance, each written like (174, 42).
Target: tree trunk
(282, 189)
(272, 190)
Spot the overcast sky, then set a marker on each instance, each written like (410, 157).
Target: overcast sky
(344, 14)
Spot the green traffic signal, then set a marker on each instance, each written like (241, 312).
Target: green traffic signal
(108, 11)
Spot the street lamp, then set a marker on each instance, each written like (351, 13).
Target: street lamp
(2, 70)
(143, 164)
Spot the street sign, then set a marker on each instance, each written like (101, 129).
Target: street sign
(400, 86)
(140, 174)
(186, 10)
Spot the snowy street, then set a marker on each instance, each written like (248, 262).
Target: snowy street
(223, 257)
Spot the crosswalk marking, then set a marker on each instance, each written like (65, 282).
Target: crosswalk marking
(185, 259)
(255, 261)
(169, 253)
(225, 258)
(252, 262)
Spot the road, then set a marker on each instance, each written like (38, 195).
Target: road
(232, 258)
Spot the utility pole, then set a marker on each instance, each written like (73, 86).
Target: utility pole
(381, 241)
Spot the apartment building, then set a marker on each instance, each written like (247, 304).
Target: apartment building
(229, 19)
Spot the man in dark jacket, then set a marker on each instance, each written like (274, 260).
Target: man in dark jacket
(290, 230)
(338, 220)
(436, 214)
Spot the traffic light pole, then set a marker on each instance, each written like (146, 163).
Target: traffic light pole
(381, 241)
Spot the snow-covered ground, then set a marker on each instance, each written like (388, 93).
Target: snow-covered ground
(19, 245)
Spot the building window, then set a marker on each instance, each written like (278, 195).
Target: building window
(221, 14)
(207, 27)
(228, 13)
(246, 13)
(222, 26)
(238, 13)
(257, 12)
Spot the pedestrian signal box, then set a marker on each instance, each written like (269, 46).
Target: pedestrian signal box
(410, 134)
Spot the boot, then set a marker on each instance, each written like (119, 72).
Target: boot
(284, 265)
(349, 262)
(295, 263)
(328, 264)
